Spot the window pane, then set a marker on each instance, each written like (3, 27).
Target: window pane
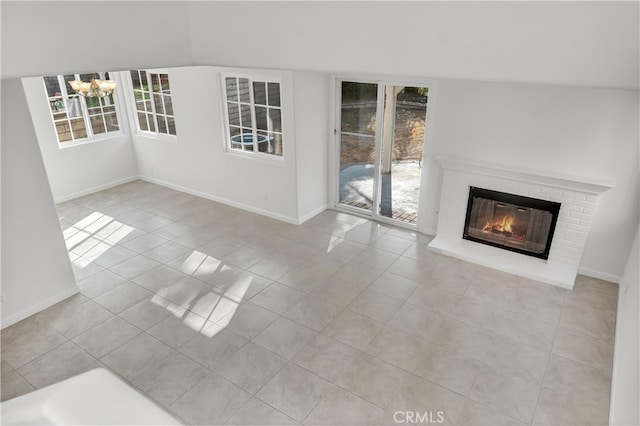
(155, 82)
(143, 95)
(109, 108)
(274, 94)
(144, 82)
(234, 113)
(261, 118)
(164, 84)
(235, 139)
(241, 138)
(78, 128)
(57, 106)
(168, 106)
(93, 102)
(140, 106)
(97, 125)
(112, 122)
(275, 120)
(139, 95)
(153, 127)
(135, 79)
(52, 85)
(162, 125)
(64, 133)
(259, 93)
(243, 88)
(358, 114)
(248, 142)
(232, 88)
(142, 119)
(67, 78)
(247, 137)
(157, 100)
(264, 142)
(276, 144)
(172, 125)
(246, 115)
(75, 107)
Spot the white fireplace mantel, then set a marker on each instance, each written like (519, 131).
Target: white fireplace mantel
(577, 195)
(557, 180)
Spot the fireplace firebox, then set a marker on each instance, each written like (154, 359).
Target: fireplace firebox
(511, 222)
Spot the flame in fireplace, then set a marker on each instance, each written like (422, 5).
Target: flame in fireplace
(503, 225)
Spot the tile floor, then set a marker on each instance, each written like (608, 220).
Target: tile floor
(226, 317)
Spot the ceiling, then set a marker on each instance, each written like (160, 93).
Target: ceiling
(591, 44)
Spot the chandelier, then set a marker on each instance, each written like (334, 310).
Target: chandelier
(94, 88)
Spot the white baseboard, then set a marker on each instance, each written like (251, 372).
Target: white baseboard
(314, 213)
(429, 231)
(599, 275)
(95, 189)
(231, 203)
(18, 316)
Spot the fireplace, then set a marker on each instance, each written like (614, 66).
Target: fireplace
(511, 222)
(559, 261)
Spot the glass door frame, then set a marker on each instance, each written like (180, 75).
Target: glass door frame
(338, 140)
(335, 147)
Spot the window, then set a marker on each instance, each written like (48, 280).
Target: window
(254, 115)
(154, 109)
(75, 117)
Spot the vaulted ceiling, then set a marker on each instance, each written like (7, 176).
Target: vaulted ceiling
(594, 44)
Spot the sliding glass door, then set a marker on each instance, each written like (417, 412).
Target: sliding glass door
(358, 129)
(381, 141)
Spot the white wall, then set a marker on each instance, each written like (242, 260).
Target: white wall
(36, 271)
(311, 92)
(56, 37)
(625, 386)
(576, 131)
(571, 43)
(85, 168)
(197, 161)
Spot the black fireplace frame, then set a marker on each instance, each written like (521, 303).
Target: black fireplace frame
(518, 200)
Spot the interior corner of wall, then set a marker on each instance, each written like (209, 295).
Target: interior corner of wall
(37, 307)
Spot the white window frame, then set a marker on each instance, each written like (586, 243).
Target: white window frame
(134, 109)
(260, 78)
(66, 97)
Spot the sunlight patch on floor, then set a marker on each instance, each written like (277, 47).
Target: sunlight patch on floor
(207, 313)
(93, 236)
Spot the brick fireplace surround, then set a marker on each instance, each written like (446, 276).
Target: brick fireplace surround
(578, 197)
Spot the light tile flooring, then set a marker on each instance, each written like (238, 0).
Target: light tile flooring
(227, 317)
